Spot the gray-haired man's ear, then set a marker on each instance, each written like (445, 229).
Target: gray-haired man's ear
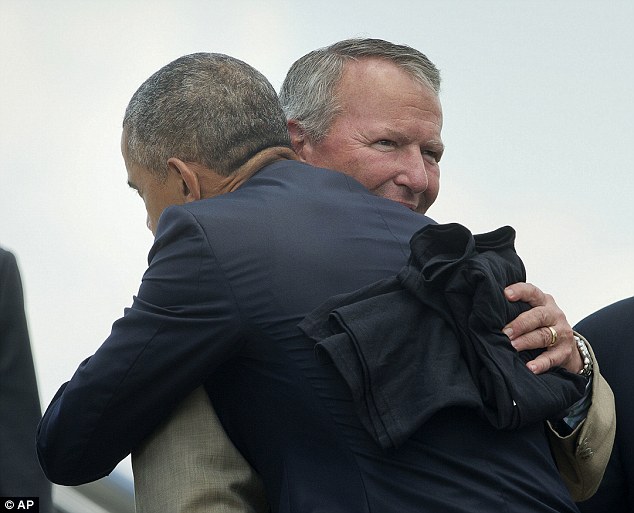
(300, 142)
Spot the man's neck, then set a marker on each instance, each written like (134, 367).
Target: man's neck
(247, 170)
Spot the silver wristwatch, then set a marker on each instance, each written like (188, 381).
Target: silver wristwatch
(585, 357)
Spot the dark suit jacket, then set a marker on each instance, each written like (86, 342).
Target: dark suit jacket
(611, 333)
(228, 281)
(20, 473)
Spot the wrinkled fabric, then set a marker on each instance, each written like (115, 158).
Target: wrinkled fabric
(430, 338)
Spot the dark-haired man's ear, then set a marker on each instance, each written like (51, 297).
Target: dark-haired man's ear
(190, 183)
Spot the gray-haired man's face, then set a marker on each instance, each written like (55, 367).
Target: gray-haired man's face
(388, 136)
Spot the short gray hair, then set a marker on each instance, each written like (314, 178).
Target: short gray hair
(308, 94)
(207, 108)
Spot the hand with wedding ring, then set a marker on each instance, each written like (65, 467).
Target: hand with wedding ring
(544, 325)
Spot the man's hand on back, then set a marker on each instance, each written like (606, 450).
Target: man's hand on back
(531, 330)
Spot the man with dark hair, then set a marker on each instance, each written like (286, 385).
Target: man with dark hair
(353, 107)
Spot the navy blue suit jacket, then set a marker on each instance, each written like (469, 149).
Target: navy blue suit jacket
(228, 281)
(611, 333)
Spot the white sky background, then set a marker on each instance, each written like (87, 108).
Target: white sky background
(539, 130)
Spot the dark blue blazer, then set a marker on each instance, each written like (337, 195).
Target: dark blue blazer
(611, 333)
(228, 281)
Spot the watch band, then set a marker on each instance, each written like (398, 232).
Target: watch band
(585, 357)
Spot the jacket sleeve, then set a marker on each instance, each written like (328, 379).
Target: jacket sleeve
(583, 455)
(189, 465)
(182, 324)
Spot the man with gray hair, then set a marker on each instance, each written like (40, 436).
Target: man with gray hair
(362, 106)
(398, 165)
(352, 107)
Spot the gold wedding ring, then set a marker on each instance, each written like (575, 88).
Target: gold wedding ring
(553, 336)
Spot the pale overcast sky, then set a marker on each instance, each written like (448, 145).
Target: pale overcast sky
(539, 124)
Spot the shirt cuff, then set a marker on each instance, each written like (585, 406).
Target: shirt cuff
(576, 414)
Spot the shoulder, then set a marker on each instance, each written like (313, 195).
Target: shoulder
(613, 320)
(7, 259)
(302, 197)
(9, 273)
